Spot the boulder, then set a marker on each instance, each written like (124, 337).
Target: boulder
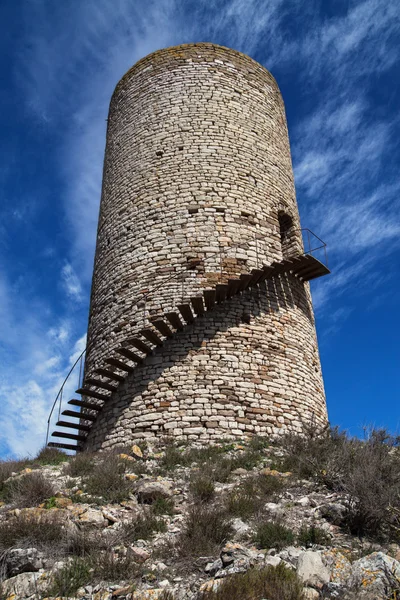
(311, 569)
(338, 565)
(149, 491)
(375, 574)
(23, 560)
(334, 512)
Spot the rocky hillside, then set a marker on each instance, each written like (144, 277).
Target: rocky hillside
(317, 517)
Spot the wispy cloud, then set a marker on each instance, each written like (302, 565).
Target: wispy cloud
(71, 282)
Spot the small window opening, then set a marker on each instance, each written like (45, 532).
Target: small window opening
(193, 211)
(286, 233)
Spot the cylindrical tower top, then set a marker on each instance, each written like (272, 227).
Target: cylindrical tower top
(197, 166)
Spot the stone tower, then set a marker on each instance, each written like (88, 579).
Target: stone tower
(201, 324)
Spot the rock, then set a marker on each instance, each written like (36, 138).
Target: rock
(152, 594)
(213, 567)
(240, 527)
(125, 457)
(291, 555)
(139, 554)
(338, 565)
(304, 501)
(333, 512)
(93, 517)
(237, 554)
(149, 491)
(310, 594)
(311, 569)
(137, 451)
(23, 560)
(211, 585)
(272, 561)
(21, 586)
(240, 471)
(375, 573)
(131, 477)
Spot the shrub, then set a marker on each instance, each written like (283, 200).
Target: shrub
(310, 536)
(28, 530)
(66, 581)
(51, 456)
(252, 493)
(202, 487)
(7, 468)
(28, 490)
(272, 534)
(107, 565)
(142, 527)
(107, 480)
(80, 465)
(163, 506)
(366, 471)
(274, 583)
(205, 530)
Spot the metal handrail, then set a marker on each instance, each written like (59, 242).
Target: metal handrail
(144, 297)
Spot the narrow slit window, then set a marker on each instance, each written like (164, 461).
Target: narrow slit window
(286, 233)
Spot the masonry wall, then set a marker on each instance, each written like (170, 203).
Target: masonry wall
(198, 166)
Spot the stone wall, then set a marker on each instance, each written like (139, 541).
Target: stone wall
(198, 166)
(249, 366)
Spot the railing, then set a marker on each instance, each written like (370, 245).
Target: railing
(142, 298)
(308, 236)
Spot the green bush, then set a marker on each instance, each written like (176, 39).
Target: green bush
(310, 536)
(274, 583)
(163, 506)
(273, 534)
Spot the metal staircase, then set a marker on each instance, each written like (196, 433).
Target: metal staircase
(99, 387)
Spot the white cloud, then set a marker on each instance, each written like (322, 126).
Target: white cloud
(71, 282)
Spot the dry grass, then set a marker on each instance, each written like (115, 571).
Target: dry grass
(206, 529)
(27, 531)
(249, 497)
(28, 490)
(107, 479)
(274, 583)
(143, 527)
(80, 465)
(50, 456)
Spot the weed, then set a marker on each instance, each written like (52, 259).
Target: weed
(107, 480)
(202, 487)
(51, 502)
(272, 534)
(163, 506)
(142, 527)
(80, 465)
(251, 495)
(31, 531)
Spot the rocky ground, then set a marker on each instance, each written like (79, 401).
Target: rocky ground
(184, 524)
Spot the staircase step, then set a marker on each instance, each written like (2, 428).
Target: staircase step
(65, 446)
(221, 290)
(92, 394)
(186, 312)
(209, 298)
(100, 384)
(245, 279)
(79, 415)
(73, 425)
(129, 354)
(70, 436)
(174, 319)
(110, 375)
(162, 327)
(119, 364)
(84, 404)
(151, 336)
(233, 286)
(256, 275)
(198, 305)
(139, 345)
(267, 274)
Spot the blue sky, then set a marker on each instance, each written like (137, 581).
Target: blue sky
(337, 64)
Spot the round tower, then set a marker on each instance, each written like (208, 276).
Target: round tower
(198, 193)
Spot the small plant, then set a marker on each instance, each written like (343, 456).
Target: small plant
(310, 536)
(66, 581)
(28, 490)
(107, 565)
(206, 529)
(274, 583)
(202, 487)
(28, 530)
(143, 527)
(51, 502)
(251, 495)
(80, 465)
(163, 506)
(50, 456)
(7, 468)
(272, 534)
(107, 480)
